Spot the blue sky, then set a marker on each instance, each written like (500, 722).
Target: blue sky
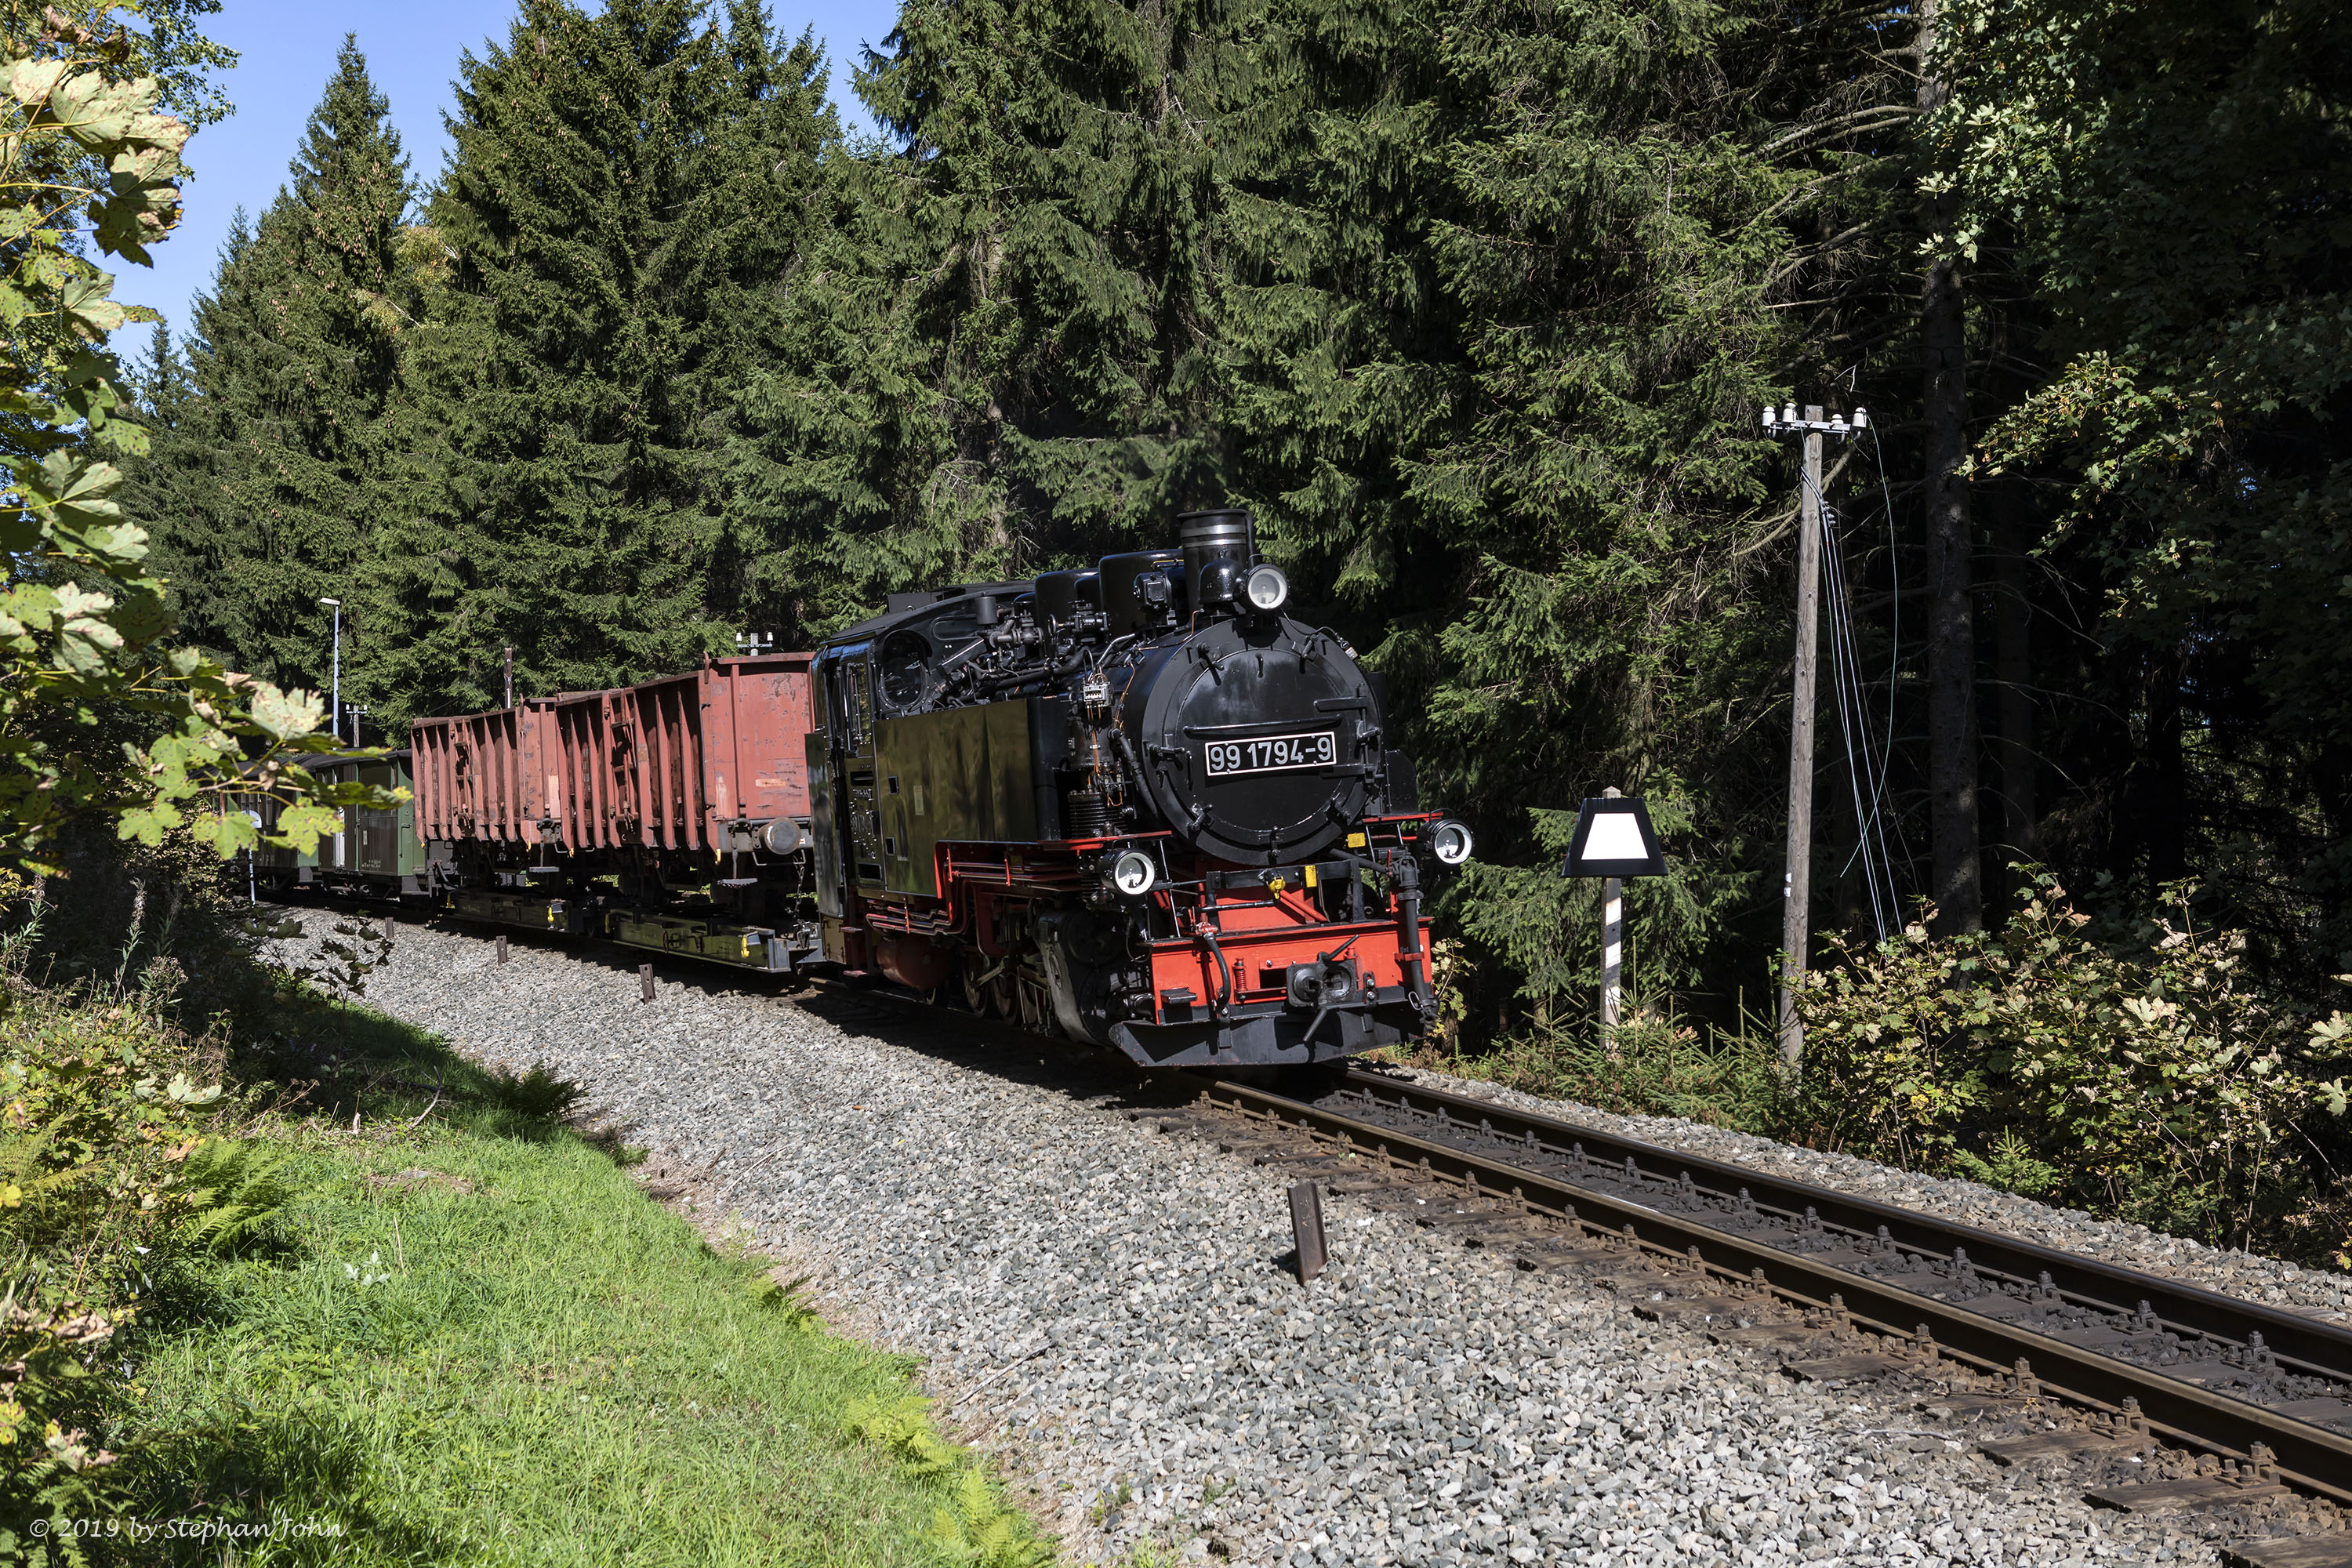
(288, 51)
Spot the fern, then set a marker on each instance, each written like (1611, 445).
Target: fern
(979, 1530)
(789, 1301)
(537, 1093)
(976, 1528)
(903, 1426)
(228, 1189)
(25, 1183)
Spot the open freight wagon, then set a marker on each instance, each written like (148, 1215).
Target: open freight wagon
(672, 814)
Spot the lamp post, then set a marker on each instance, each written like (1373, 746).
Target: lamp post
(337, 709)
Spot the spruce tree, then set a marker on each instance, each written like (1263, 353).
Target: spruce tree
(267, 490)
(622, 187)
(1499, 393)
(206, 546)
(1004, 354)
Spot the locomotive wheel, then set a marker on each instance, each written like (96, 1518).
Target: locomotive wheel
(991, 998)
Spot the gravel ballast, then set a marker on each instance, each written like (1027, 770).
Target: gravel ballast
(1109, 1311)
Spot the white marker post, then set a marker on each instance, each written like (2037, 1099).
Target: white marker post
(1613, 840)
(1613, 955)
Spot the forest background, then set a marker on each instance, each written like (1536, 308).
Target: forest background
(1478, 306)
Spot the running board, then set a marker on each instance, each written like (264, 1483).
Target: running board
(565, 916)
(714, 941)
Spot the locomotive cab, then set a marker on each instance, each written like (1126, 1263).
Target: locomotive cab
(1139, 803)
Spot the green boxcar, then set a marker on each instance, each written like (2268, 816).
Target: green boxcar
(376, 853)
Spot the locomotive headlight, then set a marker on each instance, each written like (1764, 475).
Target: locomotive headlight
(1134, 873)
(1450, 842)
(1267, 589)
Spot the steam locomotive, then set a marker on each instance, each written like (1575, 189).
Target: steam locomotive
(1137, 803)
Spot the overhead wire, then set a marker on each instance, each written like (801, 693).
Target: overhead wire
(1894, 616)
(1866, 774)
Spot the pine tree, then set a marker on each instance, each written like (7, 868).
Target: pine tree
(267, 490)
(623, 185)
(1004, 354)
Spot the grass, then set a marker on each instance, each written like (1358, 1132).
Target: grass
(480, 1342)
(1660, 1064)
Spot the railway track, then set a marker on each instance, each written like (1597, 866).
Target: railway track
(2262, 1396)
(2075, 1358)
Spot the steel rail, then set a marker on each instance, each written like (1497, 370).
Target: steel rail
(2314, 1347)
(2307, 1456)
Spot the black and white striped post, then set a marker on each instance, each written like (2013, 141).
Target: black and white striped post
(1613, 841)
(1612, 956)
(1612, 947)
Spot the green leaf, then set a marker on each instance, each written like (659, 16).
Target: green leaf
(285, 714)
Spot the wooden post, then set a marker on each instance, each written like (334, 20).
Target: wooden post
(1797, 887)
(509, 663)
(1306, 1229)
(502, 949)
(645, 981)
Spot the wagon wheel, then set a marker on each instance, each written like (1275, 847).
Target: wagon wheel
(1037, 1004)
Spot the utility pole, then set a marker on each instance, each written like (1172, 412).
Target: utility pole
(1797, 882)
(509, 661)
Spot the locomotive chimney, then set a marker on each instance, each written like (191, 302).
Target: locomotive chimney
(1227, 534)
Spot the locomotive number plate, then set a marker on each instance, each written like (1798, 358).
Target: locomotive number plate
(1273, 754)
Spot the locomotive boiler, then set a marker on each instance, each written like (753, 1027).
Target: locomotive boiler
(1139, 803)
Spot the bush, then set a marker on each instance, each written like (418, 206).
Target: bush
(2131, 1067)
(2127, 1065)
(112, 1165)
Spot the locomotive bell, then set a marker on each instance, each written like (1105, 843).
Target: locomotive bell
(1213, 588)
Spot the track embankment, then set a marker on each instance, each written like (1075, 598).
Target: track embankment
(1111, 1310)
